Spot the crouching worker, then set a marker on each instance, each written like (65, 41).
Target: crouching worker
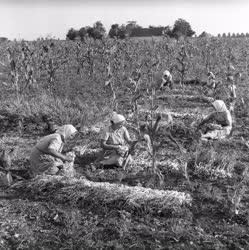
(218, 123)
(114, 142)
(46, 156)
(167, 80)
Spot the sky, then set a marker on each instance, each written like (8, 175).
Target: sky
(31, 19)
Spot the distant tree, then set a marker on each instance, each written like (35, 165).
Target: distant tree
(242, 35)
(219, 35)
(182, 28)
(72, 34)
(130, 26)
(224, 35)
(122, 32)
(90, 31)
(82, 33)
(97, 31)
(113, 32)
(204, 34)
(233, 35)
(117, 31)
(247, 34)
(167, 31)
(99, 27)
(228, 34)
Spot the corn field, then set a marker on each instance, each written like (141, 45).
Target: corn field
(179, 192)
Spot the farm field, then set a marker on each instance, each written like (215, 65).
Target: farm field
(194, 196)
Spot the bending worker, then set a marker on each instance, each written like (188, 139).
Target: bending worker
(46, 156)
(219, 122)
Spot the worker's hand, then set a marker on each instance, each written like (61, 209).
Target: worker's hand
(68, 159)
(121, 150)
(215, 126)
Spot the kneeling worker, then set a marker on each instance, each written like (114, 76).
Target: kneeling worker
(114, 141)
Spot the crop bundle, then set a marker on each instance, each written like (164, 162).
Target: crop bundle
(187, 98)
(83, 193)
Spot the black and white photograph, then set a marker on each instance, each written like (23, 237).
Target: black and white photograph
(124, 124)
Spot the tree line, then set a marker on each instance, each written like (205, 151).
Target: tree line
(233, 35)
(180, 28)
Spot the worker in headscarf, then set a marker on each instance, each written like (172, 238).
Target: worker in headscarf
(114, 141)
(167, 80)
(219, 122)
(46, 156)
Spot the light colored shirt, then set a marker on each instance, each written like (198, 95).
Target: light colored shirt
(53, 141)
(167, 79)
(222, 118)
(211, 83)
(115, 137)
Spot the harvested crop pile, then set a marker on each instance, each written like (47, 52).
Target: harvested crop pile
(188, 98)
(83, 193)
(213, 164)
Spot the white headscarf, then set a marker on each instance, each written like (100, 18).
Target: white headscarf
(117, 118)
(166, 73)
(211, 75)
(220, 106)
(66, 130)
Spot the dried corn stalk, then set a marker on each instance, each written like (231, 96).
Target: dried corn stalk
(73, 190)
